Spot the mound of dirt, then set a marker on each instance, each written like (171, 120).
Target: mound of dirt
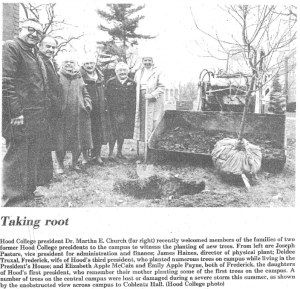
(202, 141)
(147, 188)
(156, 187)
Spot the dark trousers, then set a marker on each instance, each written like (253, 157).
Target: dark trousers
(45, 168)
(20, 169)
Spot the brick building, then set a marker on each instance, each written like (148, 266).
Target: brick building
(10, 20)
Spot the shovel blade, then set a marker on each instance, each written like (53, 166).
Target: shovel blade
(145, 171)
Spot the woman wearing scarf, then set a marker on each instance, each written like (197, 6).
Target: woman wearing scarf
(121, 93)
(73, 131)
(100, 121)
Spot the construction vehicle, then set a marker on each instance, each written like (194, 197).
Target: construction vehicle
(191, 135)
(225, 90)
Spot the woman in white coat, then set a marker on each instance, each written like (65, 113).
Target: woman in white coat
(150, 92)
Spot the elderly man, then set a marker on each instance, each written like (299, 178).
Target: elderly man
(47, 48)
(24, 118)
(100, 121)
(150, 93)
(121, 99)
(73, 129)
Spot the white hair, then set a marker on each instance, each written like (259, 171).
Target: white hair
(121, 65)
(68, 56)
(89, 58)
(147, 57)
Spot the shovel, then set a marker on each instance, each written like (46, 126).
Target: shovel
(144, 170)
(146, 128)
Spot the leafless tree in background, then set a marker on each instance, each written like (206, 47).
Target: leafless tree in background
(52, 24)
(265, 33)
(187, 91)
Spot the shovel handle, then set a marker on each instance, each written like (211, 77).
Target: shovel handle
(146, 126)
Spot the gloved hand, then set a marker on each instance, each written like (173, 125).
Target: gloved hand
(150, 97)
(88, 108)
(17, 120)
(87, 105)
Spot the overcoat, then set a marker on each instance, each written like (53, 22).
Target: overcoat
(73, 129)
(155, 107)
(121, 99)
(55, 92)
(24, 92)
(100, 120)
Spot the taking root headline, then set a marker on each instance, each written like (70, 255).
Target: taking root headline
(18, 221)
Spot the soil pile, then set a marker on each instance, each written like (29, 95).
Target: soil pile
(202, 141)
(156, 187)
(148, 188)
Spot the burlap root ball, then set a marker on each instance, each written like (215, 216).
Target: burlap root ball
(230, 158)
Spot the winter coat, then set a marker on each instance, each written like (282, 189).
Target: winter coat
(24, 90)
(155, 108)
(121, 99)
(24, 93)
(73, 129)
(54, 87)
(100, 121)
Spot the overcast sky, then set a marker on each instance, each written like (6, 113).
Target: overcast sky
(174, 50)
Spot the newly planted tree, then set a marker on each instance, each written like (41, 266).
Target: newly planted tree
(262, 36)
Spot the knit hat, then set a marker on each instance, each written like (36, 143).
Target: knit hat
(121, 64)
(88, 58)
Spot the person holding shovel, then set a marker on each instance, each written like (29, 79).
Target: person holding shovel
(149, 100)
(120, 93)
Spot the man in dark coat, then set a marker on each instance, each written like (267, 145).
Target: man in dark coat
(24, 117)
(100, 121)
(121, 98)
(47, 48)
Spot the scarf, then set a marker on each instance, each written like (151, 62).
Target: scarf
(70, 74)
(86, 76)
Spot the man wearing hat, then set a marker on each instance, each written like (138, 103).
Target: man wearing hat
(25, 104)
(149, 100)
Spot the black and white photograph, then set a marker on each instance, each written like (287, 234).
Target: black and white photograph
(149, 144)
(128, 105)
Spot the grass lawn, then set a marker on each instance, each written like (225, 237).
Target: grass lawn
(94, 185)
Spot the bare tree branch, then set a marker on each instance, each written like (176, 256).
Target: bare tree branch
(266, 34)
(53, 24)
(25, 9)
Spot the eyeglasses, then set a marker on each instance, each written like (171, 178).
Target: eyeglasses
(31, 30)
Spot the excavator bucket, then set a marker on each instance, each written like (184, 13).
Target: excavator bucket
(191, 135)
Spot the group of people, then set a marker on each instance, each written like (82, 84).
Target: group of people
(46, 109)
